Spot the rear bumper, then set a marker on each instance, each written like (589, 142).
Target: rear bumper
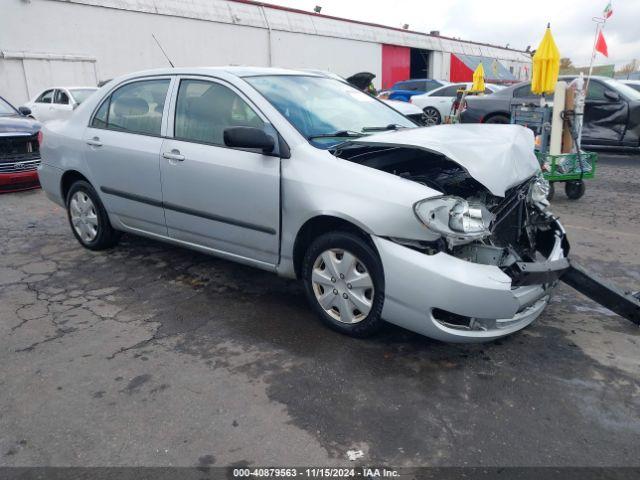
(18, 181)
(424, 292)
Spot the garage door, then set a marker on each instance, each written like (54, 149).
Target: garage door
(22, 76)
(396, 64)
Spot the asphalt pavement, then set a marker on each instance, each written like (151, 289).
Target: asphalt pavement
(154, 355)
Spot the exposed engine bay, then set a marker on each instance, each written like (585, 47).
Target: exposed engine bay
(517, 228)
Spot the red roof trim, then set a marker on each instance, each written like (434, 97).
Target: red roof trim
(369, 24)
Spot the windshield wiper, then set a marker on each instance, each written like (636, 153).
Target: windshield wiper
(338, 134)
(391, 126)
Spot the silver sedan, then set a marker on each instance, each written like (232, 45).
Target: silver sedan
(445, 230)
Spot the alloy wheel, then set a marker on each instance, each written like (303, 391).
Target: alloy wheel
(432, 116)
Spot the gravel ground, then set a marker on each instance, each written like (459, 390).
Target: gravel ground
(154, 355)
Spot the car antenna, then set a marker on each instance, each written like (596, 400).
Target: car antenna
(163, 52)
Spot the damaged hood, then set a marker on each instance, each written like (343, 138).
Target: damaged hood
(497, 156)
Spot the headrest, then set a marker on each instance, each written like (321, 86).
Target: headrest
(130, 106)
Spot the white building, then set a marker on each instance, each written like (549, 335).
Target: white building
(81, 42)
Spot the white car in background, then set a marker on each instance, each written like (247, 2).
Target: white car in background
(437, 103)
(408, 110)
(635, 84)
(58, 102)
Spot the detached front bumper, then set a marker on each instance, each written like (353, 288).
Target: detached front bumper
(454, 300)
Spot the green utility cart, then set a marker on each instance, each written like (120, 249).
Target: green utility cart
(570, 168)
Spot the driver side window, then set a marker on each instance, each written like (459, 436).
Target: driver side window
(205, 109)
(61, 98)
(46, 97)
(596, 92)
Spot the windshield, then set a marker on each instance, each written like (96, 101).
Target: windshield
(320, 107)
(626, 90)
(81, 94)
(6, 108)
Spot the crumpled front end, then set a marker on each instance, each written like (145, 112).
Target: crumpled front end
(483, 288)
(490, 253)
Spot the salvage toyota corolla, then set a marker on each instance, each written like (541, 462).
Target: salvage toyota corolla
(443, 230)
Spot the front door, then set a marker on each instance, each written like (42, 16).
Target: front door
(122, 150)
(62, 107)
(223, 198)
(42, 107)
(605, 117)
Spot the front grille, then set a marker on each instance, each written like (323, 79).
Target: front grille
(19, 154)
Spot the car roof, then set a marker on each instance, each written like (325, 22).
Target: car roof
(238, 71)
(61, 87)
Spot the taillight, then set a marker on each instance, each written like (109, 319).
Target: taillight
(39, 138)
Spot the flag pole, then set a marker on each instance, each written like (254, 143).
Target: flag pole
(599, 23)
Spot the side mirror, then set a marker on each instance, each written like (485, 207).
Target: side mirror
(248, 137)
(26, 111)
(611, 95)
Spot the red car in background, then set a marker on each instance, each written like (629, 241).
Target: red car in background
(19, 149)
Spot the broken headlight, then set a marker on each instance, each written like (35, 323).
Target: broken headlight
(454, 217)
(539, 193)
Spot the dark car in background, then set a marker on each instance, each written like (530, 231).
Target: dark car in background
(406, 89)
(19, 148)
(611, 113)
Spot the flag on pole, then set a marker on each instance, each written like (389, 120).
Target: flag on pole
(608, 11)
(601, 45)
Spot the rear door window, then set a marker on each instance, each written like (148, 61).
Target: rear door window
(450, 91)
(204, 109)
(135, 108)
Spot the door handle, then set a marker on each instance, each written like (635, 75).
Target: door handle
(174, 155)
(94, 142)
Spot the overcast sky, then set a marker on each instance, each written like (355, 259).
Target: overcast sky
(515, 22)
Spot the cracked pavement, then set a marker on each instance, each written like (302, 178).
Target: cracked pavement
(153, 355)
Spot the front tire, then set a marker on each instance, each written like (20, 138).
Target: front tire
(88, 218)
(344, 282)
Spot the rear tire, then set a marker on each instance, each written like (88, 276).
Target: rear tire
(500, 119)
(344, 282)
(432, 116)
(88, 218)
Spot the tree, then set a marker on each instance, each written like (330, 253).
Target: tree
(566, 63)
(629, 68)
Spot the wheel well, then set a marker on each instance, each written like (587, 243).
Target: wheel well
(496, 114)
(317, 226)
(68, 179)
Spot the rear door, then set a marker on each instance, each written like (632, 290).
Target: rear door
(223, 198)
(122, 150)
(443, 98)
(605, 119)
